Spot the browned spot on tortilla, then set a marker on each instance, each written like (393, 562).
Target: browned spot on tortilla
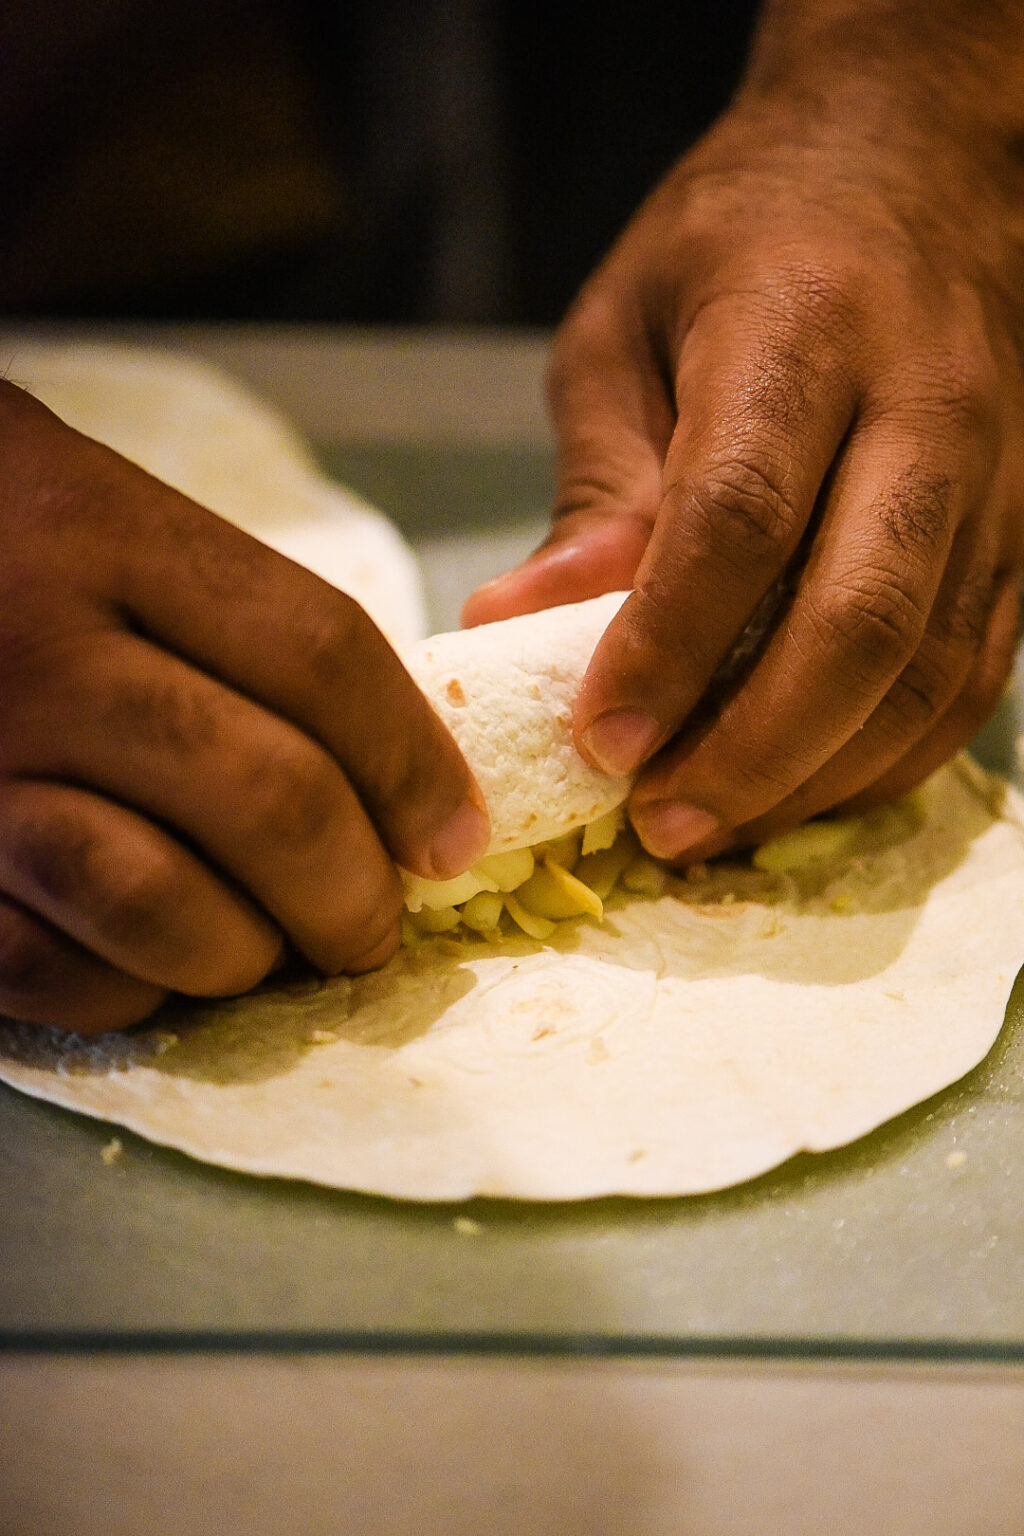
(542, 1032)
(455, 692)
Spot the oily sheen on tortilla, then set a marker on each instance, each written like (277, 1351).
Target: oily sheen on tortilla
(691, 1040)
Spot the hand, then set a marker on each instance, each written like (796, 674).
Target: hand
(792, 391)
(195, 765)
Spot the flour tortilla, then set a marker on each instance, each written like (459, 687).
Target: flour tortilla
(506, 692)
(690, 1042)
(193, 427)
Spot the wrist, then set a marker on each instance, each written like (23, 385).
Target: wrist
(952, 72)
(923, 95)
(859, 157)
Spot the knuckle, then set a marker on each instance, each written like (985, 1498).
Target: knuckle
(917, 698)
(954, 391)
(46, 979)
(601, 485)
(54, 852)
(872, 627)
(985, 683)
(963, 392)
(338, 641)
(782, 384)
(745, 769)
(754, 784)
(965, 625)
(292, 795)
(813, 299)
(917, 512)
(132, 905)
(168, 717)
(70, 864)
(745, 511)
(925, 688)
(818, 289)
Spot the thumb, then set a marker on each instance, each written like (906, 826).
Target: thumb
(612, 425)
(585, 554)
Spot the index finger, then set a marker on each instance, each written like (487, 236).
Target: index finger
(764, 402)
(613, 421)
(291, 642)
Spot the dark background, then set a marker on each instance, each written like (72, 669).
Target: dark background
(406, 161)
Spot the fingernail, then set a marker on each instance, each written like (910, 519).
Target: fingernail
(460, 842)
(667, 828)
(619, 741)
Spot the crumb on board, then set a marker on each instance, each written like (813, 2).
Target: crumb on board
(956, 1159)
(111, 1151)
(465, 1226)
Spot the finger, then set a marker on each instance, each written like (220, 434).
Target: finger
(46, 978)
(129, 893)
(259, 799)
(975, 702)
(613, 418)
(584, 555)
(760, 419)
(919, 697)
(309, 653)
(858, 617)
